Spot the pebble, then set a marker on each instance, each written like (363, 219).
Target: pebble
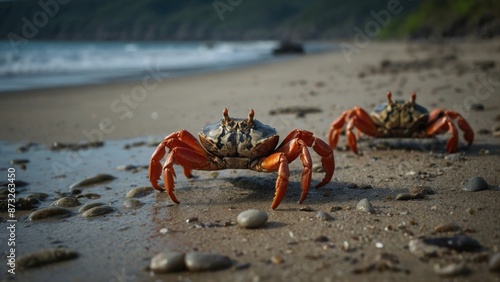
(365, 206)
(408, 196)
(91, 196)
(139, 192)
(252, 218)
(453, 269)
(94, 180)
(50, 212)
(198, 261)
(475, 184)
(28, 203)
(88, 207)
(132, 204)
(494, 263)
(323, 216)
(447, 227)
(67, 202)
(19, 161)
(277, 259)
(44, 257)
(126, 167)
(168, 262)
(96, 211)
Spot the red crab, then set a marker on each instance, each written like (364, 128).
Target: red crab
(240, 144)
(400, 119)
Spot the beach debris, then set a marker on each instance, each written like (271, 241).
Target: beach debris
(67, 202)
(392, 113)
(299, 111)
(89, 206)
(201, 261)
(166, 262)
(475, 184)
(437, 246)
(44, 257)
(323, 216)
(452, 269)
(93, 180)
(252, 218)
(50, 212)
(277, 259)
(447, 227)
(98, 210)
(251, 144)
(139, 192)
(132, 203)
(365, 206)
(57, 146)
(494, 263)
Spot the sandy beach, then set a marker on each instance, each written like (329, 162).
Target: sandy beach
(306, 92)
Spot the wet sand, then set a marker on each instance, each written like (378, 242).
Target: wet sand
(294, 245)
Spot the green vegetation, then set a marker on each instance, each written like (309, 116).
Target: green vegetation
(242, 19)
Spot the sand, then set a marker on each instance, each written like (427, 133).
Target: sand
(294, 245)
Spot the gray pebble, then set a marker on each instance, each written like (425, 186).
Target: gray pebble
(139, 192)
(197, 261)
(44, 257)
(86, 207)
(475, 184)
(132, 204)
(365, 206)
(94, 180)
(126, 167)
(67, 202)
(96, 211)
(453, 269)
(168, 262)
(50, 212)
(494, 263)
(252, 218)
(323, 216)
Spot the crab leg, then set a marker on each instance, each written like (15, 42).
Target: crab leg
(442, 125)
(276, 162)
(437, 114)
(320, 147)
(292, 150)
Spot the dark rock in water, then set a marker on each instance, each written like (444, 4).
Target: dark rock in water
(94, 180)
(21, 204)
(67, 202)
(165, 262)
(475, 184)
(88, 206)
(197, 261)
(51, 212)
(45, 257)
(139, 192)
(132, 203)
(98, 210)
(288, 47)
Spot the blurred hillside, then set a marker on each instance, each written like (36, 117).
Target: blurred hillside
(240, 19)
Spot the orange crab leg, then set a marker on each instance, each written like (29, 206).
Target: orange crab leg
(434, 117)
(277, 162)
(292, 150)
(335, 129)
(442, 125)
(320, 147)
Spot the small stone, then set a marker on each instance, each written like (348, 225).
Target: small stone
(453, 269)
(50, 212)
(165, 262)
(404, 197)
(91, 181)
(252, 218)
(86, 207)
(277, 259)
(323, 216)
(379, 245)
(126, 167)
(27, 203)
(306, 209)
(198, 261)
(139, 192)
(164, 230)
(494, 263)
(132, 203)
(365, 206)
(45, 257)
(448, 227)
(67, 202)
(476, 107)
(475, 184)
(92, 196)
(99, 210)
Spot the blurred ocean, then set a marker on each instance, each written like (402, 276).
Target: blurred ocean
(38, 64)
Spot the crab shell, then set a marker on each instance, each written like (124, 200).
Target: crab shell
(400, 118)
(239, 138)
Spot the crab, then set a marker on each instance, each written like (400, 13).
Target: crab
(236, 143)
(400, 119)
